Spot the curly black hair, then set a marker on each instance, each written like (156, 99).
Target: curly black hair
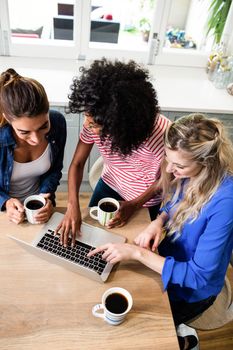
(120, 98)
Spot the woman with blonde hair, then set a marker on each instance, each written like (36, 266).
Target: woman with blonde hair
(32, 141)
(197, 219)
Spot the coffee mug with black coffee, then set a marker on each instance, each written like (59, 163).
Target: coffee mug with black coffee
(105, 211)
(32, 205)
(116, 303)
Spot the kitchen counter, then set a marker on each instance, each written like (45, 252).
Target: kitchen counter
(178, 88)
(189, 89)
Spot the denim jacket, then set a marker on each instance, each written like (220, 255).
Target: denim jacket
(48, 181)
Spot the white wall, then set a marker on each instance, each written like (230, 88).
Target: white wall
(29, 14)
(196, 23)
(178, 13)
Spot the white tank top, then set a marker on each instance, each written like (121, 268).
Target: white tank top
(25, 176)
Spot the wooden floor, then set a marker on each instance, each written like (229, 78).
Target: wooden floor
(218, 339)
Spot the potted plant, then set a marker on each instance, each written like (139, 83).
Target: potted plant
(144, 26)
(218, 12)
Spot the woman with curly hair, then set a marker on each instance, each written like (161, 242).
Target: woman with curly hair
(197, 220)
(123, 119)
(32, 142)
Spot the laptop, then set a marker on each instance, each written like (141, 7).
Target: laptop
(47, 246)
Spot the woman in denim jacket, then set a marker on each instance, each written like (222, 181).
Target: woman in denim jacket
(32, 142)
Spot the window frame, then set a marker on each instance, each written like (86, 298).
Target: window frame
(79, 47)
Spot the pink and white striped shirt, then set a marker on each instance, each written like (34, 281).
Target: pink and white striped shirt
(132, 175)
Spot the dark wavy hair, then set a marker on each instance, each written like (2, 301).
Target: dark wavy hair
(120, 98)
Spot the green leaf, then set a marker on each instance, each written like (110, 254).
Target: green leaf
(218, 11)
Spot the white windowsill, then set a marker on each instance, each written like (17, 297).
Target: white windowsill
(178, 88)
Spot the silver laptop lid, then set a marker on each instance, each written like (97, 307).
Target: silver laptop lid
(46, 246)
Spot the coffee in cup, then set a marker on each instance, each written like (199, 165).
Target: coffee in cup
(109, 207)
(105, 211)
(116, 303)
(32, 205)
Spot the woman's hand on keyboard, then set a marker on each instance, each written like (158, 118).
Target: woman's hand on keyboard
(71, 223)
(115, 252)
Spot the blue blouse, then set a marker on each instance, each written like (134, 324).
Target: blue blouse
(197, 260)
(50, 180)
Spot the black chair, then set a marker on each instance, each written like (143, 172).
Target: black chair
(63, 27)
(106, 31)
(65, 9)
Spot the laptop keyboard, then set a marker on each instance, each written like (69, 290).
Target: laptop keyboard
(76, 254)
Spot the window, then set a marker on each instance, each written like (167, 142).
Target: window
(150, 31)
(49, 31)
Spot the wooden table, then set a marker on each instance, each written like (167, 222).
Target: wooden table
(45, 307)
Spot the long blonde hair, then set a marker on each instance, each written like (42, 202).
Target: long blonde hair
(20, 96)
(206, 142)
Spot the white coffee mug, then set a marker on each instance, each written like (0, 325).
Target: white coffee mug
(32, 205)
(105, 211)
(116, 303)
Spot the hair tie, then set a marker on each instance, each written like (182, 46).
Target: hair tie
(8, 76)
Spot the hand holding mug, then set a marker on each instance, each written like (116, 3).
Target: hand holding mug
(15, 210)
(105, 211)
